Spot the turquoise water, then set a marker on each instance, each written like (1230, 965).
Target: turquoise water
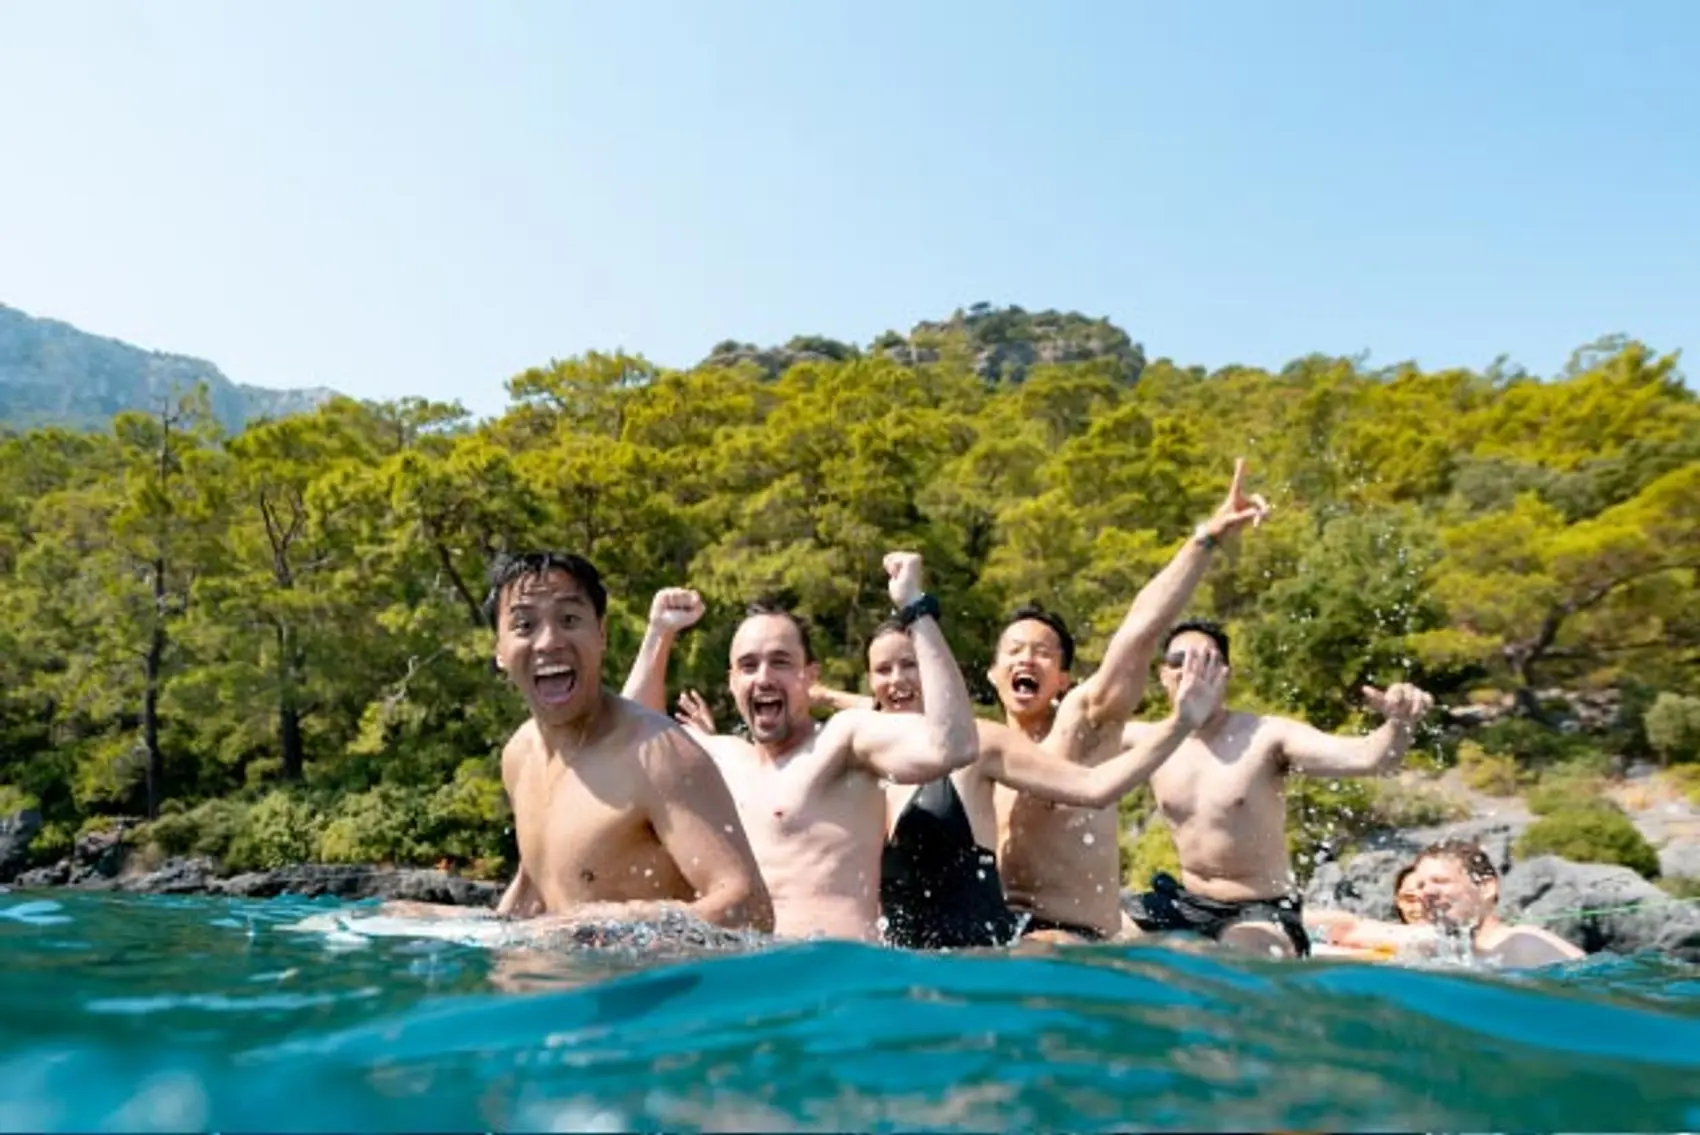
(136, 1013)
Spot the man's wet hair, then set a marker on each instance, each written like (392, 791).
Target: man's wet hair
(1035, 612)
(768, 605)
(1213, 631)
(1477, 864)
(508, 570)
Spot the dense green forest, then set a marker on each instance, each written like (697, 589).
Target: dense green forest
(271, 641)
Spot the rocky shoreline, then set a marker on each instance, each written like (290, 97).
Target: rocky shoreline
(1596, 906)
(104, 861)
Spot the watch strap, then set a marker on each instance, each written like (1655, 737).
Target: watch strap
(923, 605)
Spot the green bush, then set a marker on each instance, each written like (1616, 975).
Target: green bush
(1565, 788)
(52, 843)
(207, 829)
(1496, 774)
(16, 800)
(1598, 832)
(1326, 812)
(1533, 745)
(1673, 727)
(465, 818)
(1681, 886)
(280, 829)
(384, 825)
(1396, 804)
(1152, 850)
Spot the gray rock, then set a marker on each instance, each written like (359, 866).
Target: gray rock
(100, 853)
(354, 882)
(175, 877)
(16, 831)
(1600, 906)
(1680, 859)
(54, 875)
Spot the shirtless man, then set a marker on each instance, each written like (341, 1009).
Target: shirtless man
(617, 812)
(811, 798)
(939, 882)
(1061, 864)
(1221, 793)
(1451, 885)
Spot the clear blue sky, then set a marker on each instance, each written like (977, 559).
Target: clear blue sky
(415, 197)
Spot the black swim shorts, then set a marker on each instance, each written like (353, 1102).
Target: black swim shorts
(1170, 906)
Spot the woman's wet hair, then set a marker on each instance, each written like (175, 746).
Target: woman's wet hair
(889, 626)
(1033, 612)
(508, 570)
(1398, 882)
(1212, 631)
(1468, 854)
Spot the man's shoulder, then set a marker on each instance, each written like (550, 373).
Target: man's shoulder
(648, 731)
(521, 743)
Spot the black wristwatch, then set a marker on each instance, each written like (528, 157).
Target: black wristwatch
(922, 605)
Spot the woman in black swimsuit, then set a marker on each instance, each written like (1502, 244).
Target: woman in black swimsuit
(939, 883)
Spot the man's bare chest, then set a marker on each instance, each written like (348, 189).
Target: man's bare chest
(1213, 783)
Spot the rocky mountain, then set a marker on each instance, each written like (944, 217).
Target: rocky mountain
(54, 374)
(1001, 344)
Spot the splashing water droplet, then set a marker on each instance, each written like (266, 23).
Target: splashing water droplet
(1088, 839)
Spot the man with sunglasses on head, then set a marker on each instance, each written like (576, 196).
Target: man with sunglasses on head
(1221, 792)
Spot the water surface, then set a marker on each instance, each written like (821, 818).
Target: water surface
(128, 1012)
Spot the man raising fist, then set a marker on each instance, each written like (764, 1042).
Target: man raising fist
(810, 799)
(1221, 793)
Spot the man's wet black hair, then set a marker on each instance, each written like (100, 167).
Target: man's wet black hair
(1213, 631)
(508, 570)
(1033, 612)
(768, 605)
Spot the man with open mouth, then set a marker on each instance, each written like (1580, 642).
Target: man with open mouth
(617, 812)
(1061, 865)
(811, 798)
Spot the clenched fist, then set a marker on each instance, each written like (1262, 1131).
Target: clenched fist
(904, 570)
(675, 608)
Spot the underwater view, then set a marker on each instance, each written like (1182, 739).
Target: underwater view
(150, 1013)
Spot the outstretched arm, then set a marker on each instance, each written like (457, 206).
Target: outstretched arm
(1310, 751)
(1009, 758)
(906, 747)
(671, 611)
(1114, 689)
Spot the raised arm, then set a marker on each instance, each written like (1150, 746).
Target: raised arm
(692, 812)
(671, 611)
(912, 748)
(1010, 758)
(1310, 751)
(1114, 689)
